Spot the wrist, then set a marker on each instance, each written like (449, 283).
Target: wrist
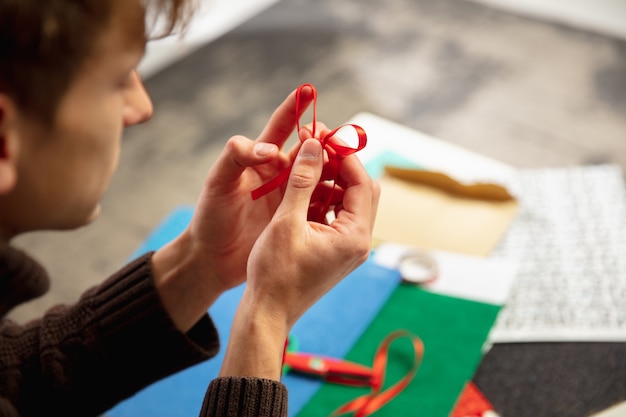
(186, 290)
(256, 343)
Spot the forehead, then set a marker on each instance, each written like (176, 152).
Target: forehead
(130, 17)
(124, 34)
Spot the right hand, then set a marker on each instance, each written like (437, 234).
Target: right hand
(296, 261)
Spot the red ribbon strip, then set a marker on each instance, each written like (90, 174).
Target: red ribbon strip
(369, 403)
(335, 151)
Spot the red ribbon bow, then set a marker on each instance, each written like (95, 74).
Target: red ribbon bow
(335, 151)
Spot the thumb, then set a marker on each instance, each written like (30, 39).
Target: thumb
(304, 177)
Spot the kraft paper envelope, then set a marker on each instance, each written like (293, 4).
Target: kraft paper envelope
(434, 211)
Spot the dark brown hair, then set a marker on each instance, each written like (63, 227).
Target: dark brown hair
(44, 43)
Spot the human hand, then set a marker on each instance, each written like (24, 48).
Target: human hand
(210, 256)
(295, 261)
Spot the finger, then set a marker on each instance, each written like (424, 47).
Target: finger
(360, 193)
(320, 129)
(305, 133)
(285, 118)
(325, 197)
(375, 200)
(240, 153)
(327, 193)
(316, 213)
(303, 179)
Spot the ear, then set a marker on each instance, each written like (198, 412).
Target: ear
(8, 144)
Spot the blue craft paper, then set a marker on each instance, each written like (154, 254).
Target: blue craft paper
(330, 327)
(376, 166)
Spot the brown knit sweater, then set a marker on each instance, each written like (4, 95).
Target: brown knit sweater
(83, 359)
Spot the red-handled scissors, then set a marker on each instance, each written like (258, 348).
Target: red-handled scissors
(349, 373)
(330, 369)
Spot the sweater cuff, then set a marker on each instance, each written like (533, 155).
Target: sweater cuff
(245, 397)
(135, 326)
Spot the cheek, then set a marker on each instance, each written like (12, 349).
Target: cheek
(91, 177)
(100, 132)
(104, 158)
(94, 144)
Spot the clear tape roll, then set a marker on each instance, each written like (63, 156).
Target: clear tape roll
(418, 267)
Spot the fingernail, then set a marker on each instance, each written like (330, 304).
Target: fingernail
(311, 149)
(264, 148)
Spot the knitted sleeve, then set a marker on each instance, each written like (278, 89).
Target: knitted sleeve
(245, 397)
(85, 358)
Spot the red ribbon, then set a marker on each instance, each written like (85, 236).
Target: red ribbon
(369, 403)
(335, 151)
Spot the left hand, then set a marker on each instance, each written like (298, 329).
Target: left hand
(211, 255)
(227, 221)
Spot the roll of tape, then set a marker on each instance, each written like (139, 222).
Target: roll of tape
(418, 267)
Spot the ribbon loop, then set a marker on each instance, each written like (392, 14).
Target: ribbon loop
(368, 404)
(335, 150)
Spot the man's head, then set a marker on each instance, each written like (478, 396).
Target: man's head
(43, 44)
(68, 87)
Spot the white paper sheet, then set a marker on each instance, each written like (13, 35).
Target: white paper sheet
(570, 238)
(479, 279)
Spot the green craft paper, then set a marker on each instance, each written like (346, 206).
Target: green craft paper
(453, 331)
